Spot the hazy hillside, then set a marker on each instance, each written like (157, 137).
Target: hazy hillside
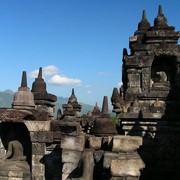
(6, 98)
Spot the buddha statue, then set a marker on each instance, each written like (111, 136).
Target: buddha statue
(14, 159)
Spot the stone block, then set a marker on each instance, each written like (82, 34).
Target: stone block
(14, 178)
(126, 143)
(73, 143)
(67, 127)
(13, 175)
(71, 156)
(37, 125)
(38, 170)
(36, 159)
(69, 167)
(95, 142)
(38, 148)
(88, 165)
(125, 178)
(42, 136)
(56, 136)
(64, 176)
(109, 156)
(126, 167)
(98, 155)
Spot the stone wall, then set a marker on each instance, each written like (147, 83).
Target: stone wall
(91, 157)
(160, 149)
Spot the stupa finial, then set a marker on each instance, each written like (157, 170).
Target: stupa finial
(40, 73)
(24, 79)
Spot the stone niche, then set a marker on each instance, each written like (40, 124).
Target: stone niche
(162, 76)
(15, 148)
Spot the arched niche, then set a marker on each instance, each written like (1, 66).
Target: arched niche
(163, 72)
(16, 131)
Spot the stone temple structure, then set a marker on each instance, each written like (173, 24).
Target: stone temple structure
(33, 146)
(148, 102)
(144, 145)
(72, 108)
(43, 99)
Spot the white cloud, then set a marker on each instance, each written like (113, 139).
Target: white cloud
(119, 84)
(54, 78)
(33, 74)
(63, 80)
(89, 92)
(88, 86)
(46, 71)
(50, 70)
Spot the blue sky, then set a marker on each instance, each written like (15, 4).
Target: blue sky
(78, 43)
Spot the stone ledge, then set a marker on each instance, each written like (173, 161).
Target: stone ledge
(95, 142)
(38, 125)
(15, 175)
(41, 136)
(109, 156)
(126, 143)
(126, 167)
(69, 156)
(13, 178)
(69, 167)
(73, 143)
(69, 128)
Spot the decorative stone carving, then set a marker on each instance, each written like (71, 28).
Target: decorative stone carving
(119, 105)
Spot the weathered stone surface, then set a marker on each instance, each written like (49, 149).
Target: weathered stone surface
(36, 159)
(70, 128)
(13, 115)
(64, 176)
(88, 165)
(126, 143)
(109, 156)
(69, 167)
(124, 178)
(69, 156)
(95, 142)
(11, 178)
(15, 175)
(98, 155)
(56, 136)
(126, 167)
(41, 136)
(38, 148)
(73, 143)
(38, 125)
(38, 170)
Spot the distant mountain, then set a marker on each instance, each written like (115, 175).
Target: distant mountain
(6, 99)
